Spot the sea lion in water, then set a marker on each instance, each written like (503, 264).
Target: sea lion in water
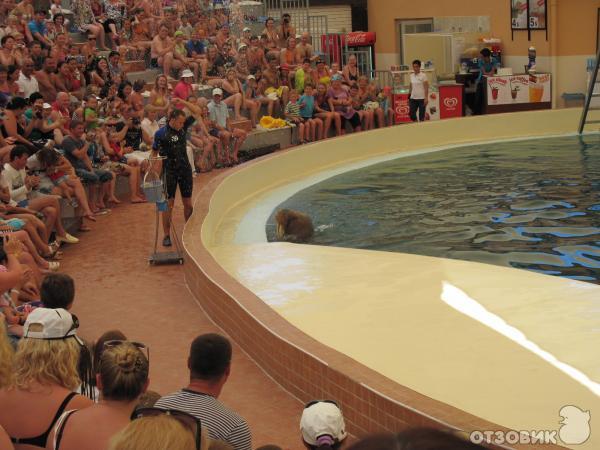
(293, 226)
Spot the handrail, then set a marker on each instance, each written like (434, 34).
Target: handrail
(590, 94)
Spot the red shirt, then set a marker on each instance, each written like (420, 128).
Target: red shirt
(64, 113)
(182, 90)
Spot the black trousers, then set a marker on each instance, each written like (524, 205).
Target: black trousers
(415, 105)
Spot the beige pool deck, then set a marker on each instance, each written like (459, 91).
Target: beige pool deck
(400, 340)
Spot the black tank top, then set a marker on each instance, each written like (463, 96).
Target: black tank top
(40, 441)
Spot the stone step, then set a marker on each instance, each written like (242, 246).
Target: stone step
(134, 66)
(148, 75)
(78, 38)
(260, 138)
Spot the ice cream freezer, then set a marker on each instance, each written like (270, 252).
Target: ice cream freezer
(517, 93)
(445, 101)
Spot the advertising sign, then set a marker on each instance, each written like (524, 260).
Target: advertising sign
(537, 14)
(518, 14)
(518, 89)
(401, 108)
(539, 88)
(451, 101)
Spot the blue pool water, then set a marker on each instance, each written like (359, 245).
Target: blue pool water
(531, 204)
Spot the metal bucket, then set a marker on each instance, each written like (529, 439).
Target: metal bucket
(153, 190)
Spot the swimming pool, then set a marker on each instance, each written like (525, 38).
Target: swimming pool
(531, 204)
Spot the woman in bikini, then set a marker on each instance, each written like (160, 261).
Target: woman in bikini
(233, 95)
(159, 97)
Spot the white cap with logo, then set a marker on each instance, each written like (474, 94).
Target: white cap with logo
(217, 91)
(322, 420)
(50, 324)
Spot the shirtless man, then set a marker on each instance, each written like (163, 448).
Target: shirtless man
(271, 81)
(304, 49)
(222, 37)
(286, 30)
(47, 80)
(162, 52)
(256, 56)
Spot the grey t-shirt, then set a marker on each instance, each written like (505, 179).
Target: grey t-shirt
(69, 145)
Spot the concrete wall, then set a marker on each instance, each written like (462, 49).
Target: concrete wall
(572, 30)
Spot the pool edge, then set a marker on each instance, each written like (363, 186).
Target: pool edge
(300, 364)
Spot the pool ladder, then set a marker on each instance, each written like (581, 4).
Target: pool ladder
(588, 98)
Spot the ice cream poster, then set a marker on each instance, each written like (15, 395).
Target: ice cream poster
(537, 14)
(518, 13)
(518, 89)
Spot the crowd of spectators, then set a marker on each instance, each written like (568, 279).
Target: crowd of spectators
(58, 392)
(72, 120)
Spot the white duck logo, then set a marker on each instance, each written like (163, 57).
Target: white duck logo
(575, 426)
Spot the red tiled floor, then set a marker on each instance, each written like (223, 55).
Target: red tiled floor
(117, 289)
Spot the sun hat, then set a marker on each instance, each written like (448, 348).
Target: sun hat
(187, 73)
(50, 324)
(321, 420)
(217, 91)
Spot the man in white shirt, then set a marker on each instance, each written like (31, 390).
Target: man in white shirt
(20, 185)
(219, 114)
(27, 81)
(149, 127)
(419, 92)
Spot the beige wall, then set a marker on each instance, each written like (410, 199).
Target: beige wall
(572, 29)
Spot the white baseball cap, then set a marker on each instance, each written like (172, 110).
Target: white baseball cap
(250, 77)
(242, 46)
(187, 73)
(46, 323)
(321, 420)
(217, 91)
(46, 106)
(246, 29)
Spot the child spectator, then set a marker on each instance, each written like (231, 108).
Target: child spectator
(57, 291)
(292, 114)
(302, 76)
(314, 126)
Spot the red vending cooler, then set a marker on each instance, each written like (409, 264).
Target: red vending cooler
(335, 44)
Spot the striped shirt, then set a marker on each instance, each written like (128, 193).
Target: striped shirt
(221, 422)
(292, 109)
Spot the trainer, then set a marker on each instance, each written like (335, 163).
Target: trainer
(170, 142)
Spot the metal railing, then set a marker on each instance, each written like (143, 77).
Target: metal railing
(381, 78)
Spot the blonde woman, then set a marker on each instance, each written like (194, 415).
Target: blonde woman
(121, 380)
(45, 376)
(159, 97)
(6, 356)
(156, 432)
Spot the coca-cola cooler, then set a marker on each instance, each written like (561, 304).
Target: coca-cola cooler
(334, 45)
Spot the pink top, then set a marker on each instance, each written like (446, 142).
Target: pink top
(182, 90)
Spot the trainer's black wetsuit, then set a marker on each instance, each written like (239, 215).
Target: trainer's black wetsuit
(172, 144)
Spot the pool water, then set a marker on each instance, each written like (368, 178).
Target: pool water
(531, 204)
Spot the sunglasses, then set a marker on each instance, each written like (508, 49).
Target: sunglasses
(314, 402)
(141, 347)
(190, 422)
